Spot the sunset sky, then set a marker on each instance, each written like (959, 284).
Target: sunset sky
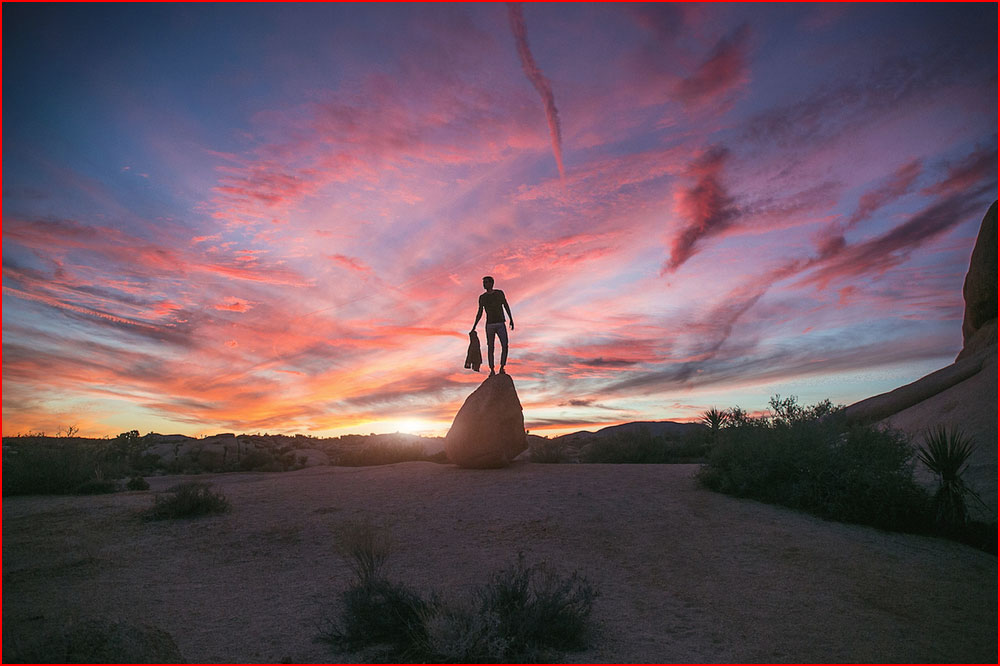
(273, 218)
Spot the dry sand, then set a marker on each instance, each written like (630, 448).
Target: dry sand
(685, 575)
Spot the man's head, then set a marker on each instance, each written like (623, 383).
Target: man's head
(487, 282)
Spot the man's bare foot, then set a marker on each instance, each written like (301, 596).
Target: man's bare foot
(502, 372)
(493, 372)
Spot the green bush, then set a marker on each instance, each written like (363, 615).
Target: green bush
(642, 447)
(808, 458)
(187, 500)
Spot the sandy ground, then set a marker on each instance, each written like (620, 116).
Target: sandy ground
(685, 575)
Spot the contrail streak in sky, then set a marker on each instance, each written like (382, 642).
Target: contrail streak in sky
(537, 79)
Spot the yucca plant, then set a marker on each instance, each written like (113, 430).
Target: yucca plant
(715, 420)
(945, 452)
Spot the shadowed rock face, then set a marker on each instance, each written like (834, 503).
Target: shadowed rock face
(980, 290)
(488, 431)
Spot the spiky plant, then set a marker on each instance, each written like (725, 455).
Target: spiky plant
(945, 452)
(715, 419)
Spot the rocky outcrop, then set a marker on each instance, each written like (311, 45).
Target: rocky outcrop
(979, 326)
(488, 431)
(962, 395)
(884, 405)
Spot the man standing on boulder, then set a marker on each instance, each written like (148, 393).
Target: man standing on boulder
(494, 302)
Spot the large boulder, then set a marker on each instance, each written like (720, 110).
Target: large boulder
(488, 431)
(980, 290)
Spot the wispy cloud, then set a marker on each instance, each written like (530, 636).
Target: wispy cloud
(534, 73)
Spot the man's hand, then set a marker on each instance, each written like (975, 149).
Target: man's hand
(512, 324)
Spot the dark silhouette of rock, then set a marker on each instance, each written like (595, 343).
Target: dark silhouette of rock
(488, 431)
(980, 290)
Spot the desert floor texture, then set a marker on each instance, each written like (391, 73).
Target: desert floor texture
(685, 574)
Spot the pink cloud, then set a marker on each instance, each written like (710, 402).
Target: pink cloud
(350, 263)
(234, 305)
(724, 71)
(707, 207)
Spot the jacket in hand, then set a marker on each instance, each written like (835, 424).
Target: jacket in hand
(474, 358)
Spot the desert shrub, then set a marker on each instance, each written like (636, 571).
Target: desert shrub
(378, 612)
(365, 548)
(187, 500)
(44, 468)
(96, 487)
(808, 458)
(642, 447)
(945, 452)
(374, 611)
(137, 483)
(380, 454)
(536, 610)
(146, 463)
(522, 613)
(255, 459)
(548, 451)
(210, 461)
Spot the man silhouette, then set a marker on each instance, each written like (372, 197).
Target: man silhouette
(494, 302)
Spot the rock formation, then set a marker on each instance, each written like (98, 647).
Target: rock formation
(488, 431)
(979, 327)
(964, 394)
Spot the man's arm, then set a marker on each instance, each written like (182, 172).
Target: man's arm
(506, 307)
(479, 316)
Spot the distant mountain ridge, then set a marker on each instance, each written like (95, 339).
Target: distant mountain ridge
(655, 428)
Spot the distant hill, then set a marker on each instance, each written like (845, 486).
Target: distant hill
(655, 428)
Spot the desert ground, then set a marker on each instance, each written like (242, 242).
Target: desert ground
(685, 574)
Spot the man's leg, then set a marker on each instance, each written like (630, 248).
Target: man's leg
(491, 333)
(503, 346)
